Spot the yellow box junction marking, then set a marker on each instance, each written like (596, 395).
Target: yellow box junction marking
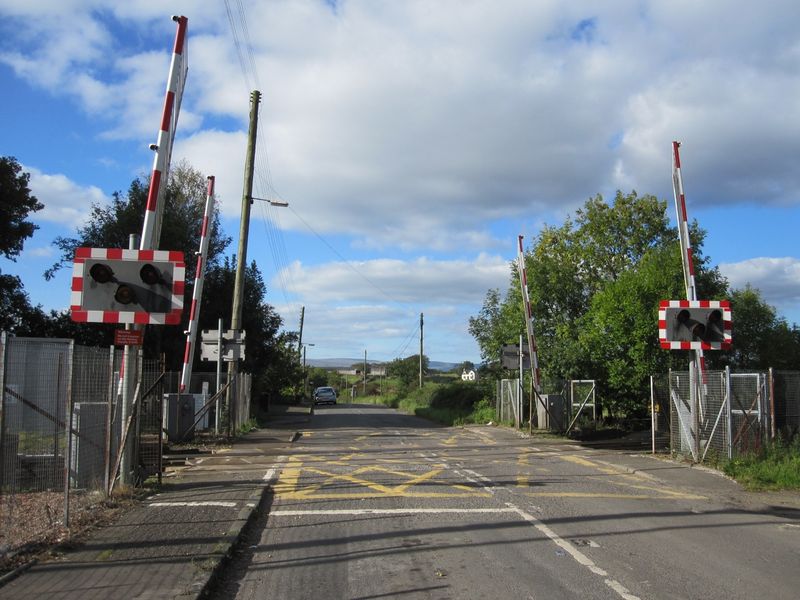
(288, 485)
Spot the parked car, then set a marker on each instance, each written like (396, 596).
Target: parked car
(324, 395)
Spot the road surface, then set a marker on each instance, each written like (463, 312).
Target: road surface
(370, 503)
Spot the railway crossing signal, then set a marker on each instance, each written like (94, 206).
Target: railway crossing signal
(695, 325)
(111, 285)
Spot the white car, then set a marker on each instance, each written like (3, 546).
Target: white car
(324, 395)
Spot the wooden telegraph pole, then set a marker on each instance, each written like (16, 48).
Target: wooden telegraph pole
(241, 255)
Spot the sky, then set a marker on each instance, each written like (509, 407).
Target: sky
(414, 141)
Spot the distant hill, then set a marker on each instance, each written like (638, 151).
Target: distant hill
(346, 363)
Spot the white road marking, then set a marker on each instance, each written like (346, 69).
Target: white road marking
(465, 473)
(218, 503)
(576, 554)
(269, 476)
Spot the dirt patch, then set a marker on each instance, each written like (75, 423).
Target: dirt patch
(32, 524)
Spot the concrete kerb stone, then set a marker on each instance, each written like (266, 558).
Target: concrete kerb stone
(222, 551)
(8, 577)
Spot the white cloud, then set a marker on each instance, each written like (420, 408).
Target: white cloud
(435, 127)
(445, 282)
(40, 252)
(396, 121)
(65, 202)
(778, 279)
(221, 154)
(377, 302)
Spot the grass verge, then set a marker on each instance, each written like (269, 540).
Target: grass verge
(777, 467)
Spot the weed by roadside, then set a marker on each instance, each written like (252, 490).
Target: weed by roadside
(776, 467)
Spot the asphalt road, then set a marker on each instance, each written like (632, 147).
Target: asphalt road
(369, 503)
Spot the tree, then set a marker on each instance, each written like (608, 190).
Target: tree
(17, 315)
(16, 203)
(270, 356)
(497, 323)
(407, 369)
(760, 338)
(594, 284)
(317, 377)
(109, 226)
(619, 331)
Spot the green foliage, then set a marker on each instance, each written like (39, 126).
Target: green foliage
(594, 284)
(618, 330)
(17, 315)
(777, 467)
(498, 322)
(16, 203)
(109, 226)
(317, 377)
(457, 396)
(761, 338)
(407, 369)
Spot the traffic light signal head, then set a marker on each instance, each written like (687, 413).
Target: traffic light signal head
(695, 325)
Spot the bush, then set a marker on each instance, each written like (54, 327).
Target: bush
(776, 467)
(456, 396)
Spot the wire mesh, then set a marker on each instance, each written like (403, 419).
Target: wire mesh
(150, 421)
(749, 425)
(786, 400)
(699, 413)
(33, 439)
(661, 416)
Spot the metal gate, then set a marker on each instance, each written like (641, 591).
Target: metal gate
(749, 405)
(718, 413)
(509, 401)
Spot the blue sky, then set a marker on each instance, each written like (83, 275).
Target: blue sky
(414, 140)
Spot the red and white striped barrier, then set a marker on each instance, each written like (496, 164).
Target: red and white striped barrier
(95, 303)
(526, 301)
(683, 224)
(197, 293)
(151, 229)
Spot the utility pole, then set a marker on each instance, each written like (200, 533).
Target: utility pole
(365, 372)
(420, 349)
(300, 337)
(241, 255)
(299, 347)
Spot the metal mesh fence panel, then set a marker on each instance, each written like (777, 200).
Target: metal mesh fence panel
(508, 401)
(150, 421)
(712, 415)
(33, 439)
(786, 400)
(679, 393)
(749, 422)
(699, 414)
(92, 405)
(90, 442)
(661, 414)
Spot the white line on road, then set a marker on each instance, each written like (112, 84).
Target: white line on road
(269, 476)
(576, 554)
(196, 503)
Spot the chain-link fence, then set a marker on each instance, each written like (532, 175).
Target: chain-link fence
(785, 394)
(33, 442)
(65, 412)
(660, 413)
(509, 401)
(60, 430)
(719, 414)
